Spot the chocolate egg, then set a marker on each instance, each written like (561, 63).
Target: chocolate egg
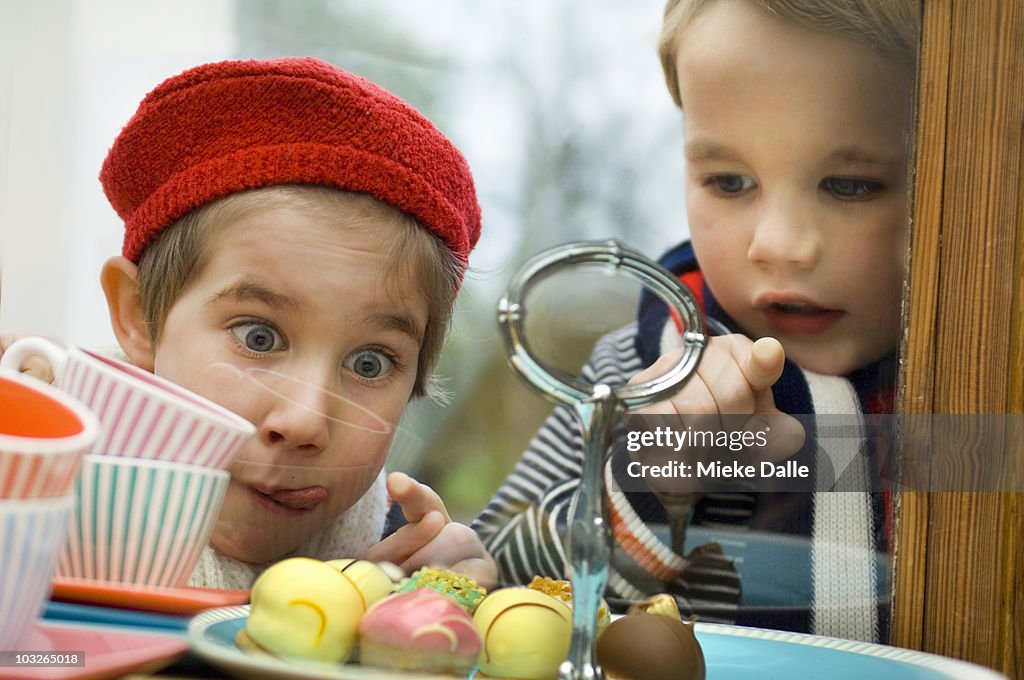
(645, 646)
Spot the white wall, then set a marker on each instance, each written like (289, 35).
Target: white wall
(75, 72)
(36, 211)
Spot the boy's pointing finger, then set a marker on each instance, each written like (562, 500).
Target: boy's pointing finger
(765, 363)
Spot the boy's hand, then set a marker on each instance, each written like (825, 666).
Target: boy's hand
(35, 366)
(734, 377)
(431, 538)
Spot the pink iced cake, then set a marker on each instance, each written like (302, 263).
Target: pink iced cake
(420, 630)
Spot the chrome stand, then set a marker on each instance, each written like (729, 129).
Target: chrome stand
(596, 407)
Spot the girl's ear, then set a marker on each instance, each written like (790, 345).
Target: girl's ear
(120, 278)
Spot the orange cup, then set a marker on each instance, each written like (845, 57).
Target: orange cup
(44, 434)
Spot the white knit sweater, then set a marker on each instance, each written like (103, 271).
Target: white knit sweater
(350, 535)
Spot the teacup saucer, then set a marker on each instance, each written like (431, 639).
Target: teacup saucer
(107, 652)
(182, 601)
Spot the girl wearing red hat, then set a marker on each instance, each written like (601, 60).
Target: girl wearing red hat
(295, 237)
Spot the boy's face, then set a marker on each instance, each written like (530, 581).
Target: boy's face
(795, 182)
(291, 324)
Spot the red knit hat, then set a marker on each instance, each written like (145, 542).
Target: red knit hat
(220, 128)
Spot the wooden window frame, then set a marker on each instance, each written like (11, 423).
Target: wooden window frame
(958, 582)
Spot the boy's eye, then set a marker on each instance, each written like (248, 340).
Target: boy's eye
(369, 363)
(729, 185)
(258, 337)
(851, 188)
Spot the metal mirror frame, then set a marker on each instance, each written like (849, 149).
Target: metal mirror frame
(596, 407)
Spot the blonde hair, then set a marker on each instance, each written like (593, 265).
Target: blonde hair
(890, 27)
(176, 257)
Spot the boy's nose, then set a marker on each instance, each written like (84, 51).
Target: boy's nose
(784, 236)
(298, 417)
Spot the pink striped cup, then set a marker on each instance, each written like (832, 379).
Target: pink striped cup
(43, 435)
(141, 414)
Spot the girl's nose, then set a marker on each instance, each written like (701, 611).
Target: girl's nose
(784, 236)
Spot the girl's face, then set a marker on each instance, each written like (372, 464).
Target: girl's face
(293, 325)
(796, 188)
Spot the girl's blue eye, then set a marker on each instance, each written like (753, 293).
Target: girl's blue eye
(258, 337)
(369, 363)
(851, 188)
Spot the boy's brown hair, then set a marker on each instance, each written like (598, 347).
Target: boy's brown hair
(890, 27)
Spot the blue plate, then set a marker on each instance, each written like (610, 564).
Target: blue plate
(211, 635)
(731, 652)
(735, 652)
(112, 616)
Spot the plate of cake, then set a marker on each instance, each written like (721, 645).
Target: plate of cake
(350, 620)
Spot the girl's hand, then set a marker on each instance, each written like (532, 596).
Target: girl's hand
(431, 538)
(35, 366)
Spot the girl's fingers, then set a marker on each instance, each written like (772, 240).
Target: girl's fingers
(415, 498)
(458, 548)
(399, 546)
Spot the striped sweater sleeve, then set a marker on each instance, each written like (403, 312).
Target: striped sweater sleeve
(524, 525)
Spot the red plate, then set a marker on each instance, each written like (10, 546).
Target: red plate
(182, 601)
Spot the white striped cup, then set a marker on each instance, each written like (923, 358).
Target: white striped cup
(43, 435)
(141, 522)
(141, 414)
(31, 535)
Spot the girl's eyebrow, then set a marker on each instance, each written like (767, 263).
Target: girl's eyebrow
(249, 290)
(402, 323)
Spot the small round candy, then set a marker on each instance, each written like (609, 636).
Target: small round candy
(526, 634)
(304, 608)
(370, 580)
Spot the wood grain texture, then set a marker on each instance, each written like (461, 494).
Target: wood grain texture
(958, 568)
(917, 375)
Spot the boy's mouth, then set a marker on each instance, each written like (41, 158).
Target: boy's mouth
(800, 317)
(292, 500)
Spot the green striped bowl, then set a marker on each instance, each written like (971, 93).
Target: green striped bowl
(139, 521)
